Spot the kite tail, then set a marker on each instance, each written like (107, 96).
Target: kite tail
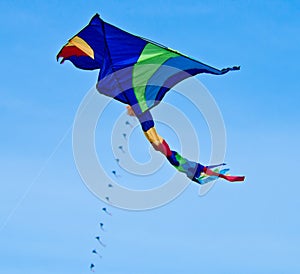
(193, 170)
(196, 171)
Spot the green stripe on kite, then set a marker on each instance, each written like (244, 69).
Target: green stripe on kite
(182, 161)
(151, 58)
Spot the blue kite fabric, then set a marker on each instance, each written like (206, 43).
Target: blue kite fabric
(138, 72)
(133, 70)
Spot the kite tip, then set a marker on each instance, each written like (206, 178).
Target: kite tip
(225, 70)
(59, 56)
(95, 20)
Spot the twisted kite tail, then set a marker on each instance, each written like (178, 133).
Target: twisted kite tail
(195, 171)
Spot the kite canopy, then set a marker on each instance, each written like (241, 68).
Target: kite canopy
(133, 70)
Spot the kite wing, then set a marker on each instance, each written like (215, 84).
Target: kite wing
(133, 70)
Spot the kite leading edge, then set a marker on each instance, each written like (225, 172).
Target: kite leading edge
(139, 72)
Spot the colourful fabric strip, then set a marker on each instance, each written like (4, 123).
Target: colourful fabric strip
(191, 169)
(199, 173)
(204, 179)
(195, 171)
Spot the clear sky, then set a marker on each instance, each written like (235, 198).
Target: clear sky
(48, 218)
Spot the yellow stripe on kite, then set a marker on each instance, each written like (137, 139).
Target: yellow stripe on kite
(153, 137)
(82, 45)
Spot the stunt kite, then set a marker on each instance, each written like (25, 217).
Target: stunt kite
(139, 72)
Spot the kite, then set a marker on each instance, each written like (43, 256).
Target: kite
(92, 267)
(101, 226)
(121, 148)
(106, 211)
(100, 242)
(115, 174)
(139, 72)
(95, 252)
(128, 124)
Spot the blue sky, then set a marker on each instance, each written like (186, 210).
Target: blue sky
(49, 219)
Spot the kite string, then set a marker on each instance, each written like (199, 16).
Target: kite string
(42, 169)
(29, 187)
